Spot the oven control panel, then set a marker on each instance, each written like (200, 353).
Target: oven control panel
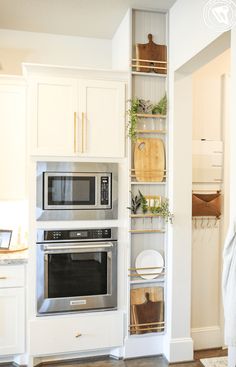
(77, 234)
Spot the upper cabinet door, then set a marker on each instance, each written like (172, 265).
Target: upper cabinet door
(53, 118)
(13, 141)
(102, 120)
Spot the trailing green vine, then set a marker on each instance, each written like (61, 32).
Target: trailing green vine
(132, 125)
(138, 105)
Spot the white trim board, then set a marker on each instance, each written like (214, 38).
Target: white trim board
(210, 337)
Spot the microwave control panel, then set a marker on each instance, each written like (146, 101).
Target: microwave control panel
(105, 190)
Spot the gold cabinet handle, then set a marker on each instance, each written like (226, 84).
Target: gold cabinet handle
(75, 140)
(82, 132)
(3, 278)
(78, 335)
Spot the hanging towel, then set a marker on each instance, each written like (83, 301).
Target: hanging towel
(229, 286)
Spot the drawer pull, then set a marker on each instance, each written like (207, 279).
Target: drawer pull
(3, 278)
(78, 335)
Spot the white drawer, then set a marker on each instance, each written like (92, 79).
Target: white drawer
(62, 334)
(12, 276)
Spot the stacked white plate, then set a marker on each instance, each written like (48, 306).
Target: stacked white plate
(149, 259)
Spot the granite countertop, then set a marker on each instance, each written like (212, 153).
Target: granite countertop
(14, 258)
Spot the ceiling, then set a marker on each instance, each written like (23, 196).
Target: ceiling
(84, 18)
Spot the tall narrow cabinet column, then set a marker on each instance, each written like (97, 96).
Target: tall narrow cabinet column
(148, 179)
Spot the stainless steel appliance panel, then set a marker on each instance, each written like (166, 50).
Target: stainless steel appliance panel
(76, 275)
(77, 212)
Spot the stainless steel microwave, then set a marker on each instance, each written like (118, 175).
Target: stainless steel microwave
(76, 191)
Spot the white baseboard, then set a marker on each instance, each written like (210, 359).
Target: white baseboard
(178, 349)
(207, 337)
(143, 346)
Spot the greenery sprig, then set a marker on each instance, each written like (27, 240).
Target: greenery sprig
(135, 203)
(163, 211)
(144, 203)
(138, 105)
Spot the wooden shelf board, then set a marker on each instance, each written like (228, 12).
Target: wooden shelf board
(147, 334)
(145, 281)
(137, 231)
(144, 215)
(151, 131)
(151, 115)
(2, 251)
(148, 183)
(149, 74)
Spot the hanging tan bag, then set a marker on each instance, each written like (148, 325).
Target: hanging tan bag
(206, 205)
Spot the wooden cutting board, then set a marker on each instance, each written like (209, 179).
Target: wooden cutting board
(138, 297)
(148, 316)
(149, 159)
(153, 52)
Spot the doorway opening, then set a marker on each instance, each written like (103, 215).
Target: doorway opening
(202, 100)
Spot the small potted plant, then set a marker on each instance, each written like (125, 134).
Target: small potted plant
(144, 203)
(164, 212)
(135, 203)
(138, 105)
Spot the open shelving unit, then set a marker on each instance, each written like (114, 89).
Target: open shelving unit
(145, 231)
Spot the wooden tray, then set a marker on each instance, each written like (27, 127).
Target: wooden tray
(149, 160)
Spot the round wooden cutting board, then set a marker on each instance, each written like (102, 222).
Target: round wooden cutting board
(149, 160)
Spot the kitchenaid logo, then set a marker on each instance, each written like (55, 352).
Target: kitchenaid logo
(220, 15)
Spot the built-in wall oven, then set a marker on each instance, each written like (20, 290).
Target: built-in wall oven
(76, 190)
(76, 270)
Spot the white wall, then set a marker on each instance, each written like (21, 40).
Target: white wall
(207, 98)
(17, 47)
(188, 32)
(188, 36)
(121, 44)
(178, 342)
(232, 201)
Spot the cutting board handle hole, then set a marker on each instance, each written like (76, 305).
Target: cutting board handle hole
(141, 146)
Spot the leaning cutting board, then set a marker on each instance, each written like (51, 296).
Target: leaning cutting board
(148, 316)
(137, 297)
(151, 52)
(149, 159)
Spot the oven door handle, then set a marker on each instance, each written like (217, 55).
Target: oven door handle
(69, 248)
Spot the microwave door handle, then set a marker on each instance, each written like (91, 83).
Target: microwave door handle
(71, 248)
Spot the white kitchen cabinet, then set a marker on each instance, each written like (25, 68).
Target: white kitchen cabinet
(103, 109)
(52, 106)
(13, 139)
(73, 117)
(76, 333)
(12, 311)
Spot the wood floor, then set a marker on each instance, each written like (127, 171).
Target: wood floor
(157, 361)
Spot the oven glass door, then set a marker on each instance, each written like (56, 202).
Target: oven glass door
(81, 276)
(68, 191)
(77, 274)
